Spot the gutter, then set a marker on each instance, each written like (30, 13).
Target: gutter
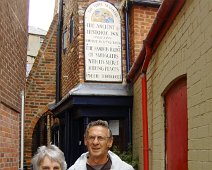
(163, 21)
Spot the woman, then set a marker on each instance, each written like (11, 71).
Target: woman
(49, 158)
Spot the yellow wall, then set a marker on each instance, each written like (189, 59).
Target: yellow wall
(136, 121)
(185, 50)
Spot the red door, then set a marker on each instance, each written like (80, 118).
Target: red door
(177, 127)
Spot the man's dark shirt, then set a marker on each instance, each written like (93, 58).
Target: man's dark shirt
(106, 166)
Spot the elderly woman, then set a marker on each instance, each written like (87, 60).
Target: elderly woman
(49, 158)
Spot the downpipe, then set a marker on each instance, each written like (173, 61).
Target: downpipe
(145, 122)
(22, 131)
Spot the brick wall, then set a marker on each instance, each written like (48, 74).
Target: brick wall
(9, 138)
(13, 48)
(40, 89)
(72, 59)
(185, 50)
(141, 19)
(13, 52)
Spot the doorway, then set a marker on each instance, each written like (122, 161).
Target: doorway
(177, 126)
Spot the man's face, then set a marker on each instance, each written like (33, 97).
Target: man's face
(98, 141)
(48, 164)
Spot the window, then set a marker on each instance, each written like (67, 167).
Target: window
(71, 29)
(41, 39)
(65, 40)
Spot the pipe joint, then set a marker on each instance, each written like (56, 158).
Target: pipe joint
(147, 48)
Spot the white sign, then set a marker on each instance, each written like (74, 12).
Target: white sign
(102, 43)
(114, 126)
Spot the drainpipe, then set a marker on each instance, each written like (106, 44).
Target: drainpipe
(144, 110)
(59, 52)
(128, 60)
(145, 122)
(147, 57)
(127, 37)
(22, 130)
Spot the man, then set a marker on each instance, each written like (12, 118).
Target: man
(98, 139)
(49, 158)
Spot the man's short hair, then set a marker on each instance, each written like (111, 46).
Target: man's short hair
(98, 123)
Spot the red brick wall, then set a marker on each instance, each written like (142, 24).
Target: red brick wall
(40, 89)
(141, 19)
(13, 53)
(9, 138)
(72, 59)
(13, 31)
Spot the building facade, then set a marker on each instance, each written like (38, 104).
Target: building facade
(84, 93)
(35, 39)
(13, 54)
(85, 88)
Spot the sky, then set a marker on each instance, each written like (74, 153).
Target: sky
(41, 13)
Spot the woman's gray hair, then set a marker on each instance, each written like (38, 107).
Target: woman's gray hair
(52, 152)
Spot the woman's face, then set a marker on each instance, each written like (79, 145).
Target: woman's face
(48, 164)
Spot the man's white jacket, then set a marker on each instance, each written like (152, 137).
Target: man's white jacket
(117, 163)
